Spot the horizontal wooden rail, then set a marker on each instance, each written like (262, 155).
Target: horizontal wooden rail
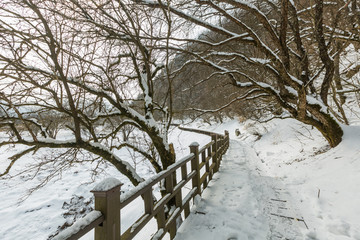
(166, 210)
(198, 131)
(80, 228)
(147, 184)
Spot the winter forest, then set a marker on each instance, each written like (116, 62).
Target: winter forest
(92, 89)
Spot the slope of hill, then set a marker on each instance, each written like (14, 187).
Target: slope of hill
(323, 182)
(62, 200)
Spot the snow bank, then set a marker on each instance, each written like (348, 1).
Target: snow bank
(323, 181)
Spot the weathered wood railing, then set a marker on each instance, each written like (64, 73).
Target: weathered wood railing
(196, 130)
(108, 202)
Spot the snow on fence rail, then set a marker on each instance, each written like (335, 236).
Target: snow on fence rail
(108, 202)
(196, 131)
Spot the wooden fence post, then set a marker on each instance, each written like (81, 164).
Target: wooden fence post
(214, 138)
(227, 139)
(107, 201)
(194, 148)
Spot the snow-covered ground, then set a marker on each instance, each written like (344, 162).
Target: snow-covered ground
(236, 203)
(57, 203)
(324, 183)
(281, 160)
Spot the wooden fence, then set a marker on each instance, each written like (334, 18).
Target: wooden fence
(105, 218)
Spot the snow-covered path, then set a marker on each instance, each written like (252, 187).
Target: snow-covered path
(240, 203)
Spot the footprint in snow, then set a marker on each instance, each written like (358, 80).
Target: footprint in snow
(232, 237)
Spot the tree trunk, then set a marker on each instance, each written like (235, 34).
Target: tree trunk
(326, 124)
(167, 154)
(337, 78)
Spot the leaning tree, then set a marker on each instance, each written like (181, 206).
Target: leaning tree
(281, 53)
(84, 68)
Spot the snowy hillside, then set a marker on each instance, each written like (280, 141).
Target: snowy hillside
(61, 200)
(322, 183)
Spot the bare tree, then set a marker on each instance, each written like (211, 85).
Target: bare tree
(288, 52)
(85, 68)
